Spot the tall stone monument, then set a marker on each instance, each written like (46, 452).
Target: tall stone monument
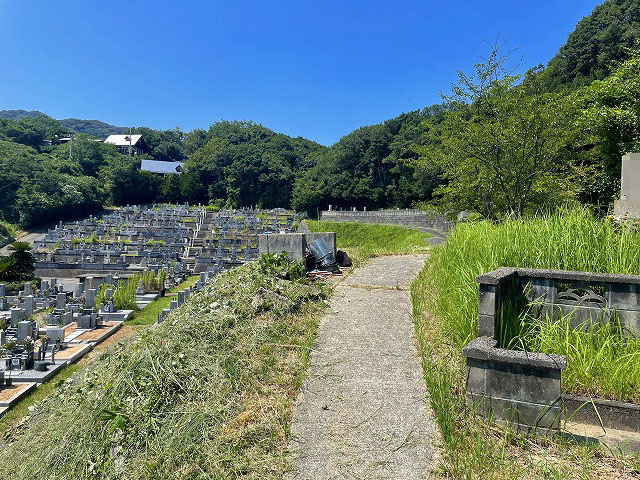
(629, 203)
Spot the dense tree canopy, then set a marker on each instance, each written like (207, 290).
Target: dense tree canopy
(597, 43)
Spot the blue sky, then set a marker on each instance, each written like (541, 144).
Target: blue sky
(314, 69)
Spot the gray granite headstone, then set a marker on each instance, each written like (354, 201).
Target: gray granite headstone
(17, 314)
(180, 297)
(61, 300)
(28, 306)
(55, 334)
(28, 289)
(67, 318)
(90, 298)
(84, 322)
(3, 290)
(25, 330)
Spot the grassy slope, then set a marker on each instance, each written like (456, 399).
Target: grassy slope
(362, 241)
(19, 411)
(445, 299)
(206, 394)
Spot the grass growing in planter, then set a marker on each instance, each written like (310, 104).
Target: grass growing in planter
(206, 394)
(602, 360)
(363, 241)
(566, 240)
(474, 448)
(445, 311)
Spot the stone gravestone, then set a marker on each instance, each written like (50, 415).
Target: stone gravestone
(67, 318)
(55, 334)
(25, 330)
(28, 289)
(61, 300)
(28, 306)
(90, 298)
(17, 315)
(628, 205)
(77, 290)
(3, 290)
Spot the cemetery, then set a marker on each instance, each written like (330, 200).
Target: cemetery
(96, 272)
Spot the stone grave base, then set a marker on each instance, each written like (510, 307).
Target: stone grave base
(33, 375)
(144, 300)
(95, 336)
(71, 354)
(119, 316)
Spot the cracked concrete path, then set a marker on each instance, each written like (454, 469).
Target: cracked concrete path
(363, 410)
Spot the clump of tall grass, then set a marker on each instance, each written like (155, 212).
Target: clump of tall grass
(603, 360)
(565, 240)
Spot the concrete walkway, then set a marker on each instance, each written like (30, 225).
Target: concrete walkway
(363, 411)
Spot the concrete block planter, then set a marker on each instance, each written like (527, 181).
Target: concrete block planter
(525, 387)
(514, 386)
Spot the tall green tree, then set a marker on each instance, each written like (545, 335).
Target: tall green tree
(19, 265)
(502, 147)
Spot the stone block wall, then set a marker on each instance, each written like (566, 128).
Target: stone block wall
(518, 387)
(525, 387)
(406, 218)
(294, 244)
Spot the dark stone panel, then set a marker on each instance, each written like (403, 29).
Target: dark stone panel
(486, 325)
(522, 382)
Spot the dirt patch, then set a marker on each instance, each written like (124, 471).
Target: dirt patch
(68, 352)
(7, 393)
(96, 333)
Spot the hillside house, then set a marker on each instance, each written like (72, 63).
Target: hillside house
(124, 142)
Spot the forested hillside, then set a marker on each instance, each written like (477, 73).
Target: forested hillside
(499, 144)
(598, 42)
(90, 127)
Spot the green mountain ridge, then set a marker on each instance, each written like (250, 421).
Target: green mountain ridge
(96, 128)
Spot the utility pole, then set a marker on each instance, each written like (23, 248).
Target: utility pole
(129, 141)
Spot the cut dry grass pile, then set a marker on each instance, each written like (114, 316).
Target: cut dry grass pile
(206, 394)
(363, 241)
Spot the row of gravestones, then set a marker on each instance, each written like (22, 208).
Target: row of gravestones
(175, 235)
(183, 295)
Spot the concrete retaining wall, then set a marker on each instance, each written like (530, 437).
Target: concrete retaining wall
(407, 218)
